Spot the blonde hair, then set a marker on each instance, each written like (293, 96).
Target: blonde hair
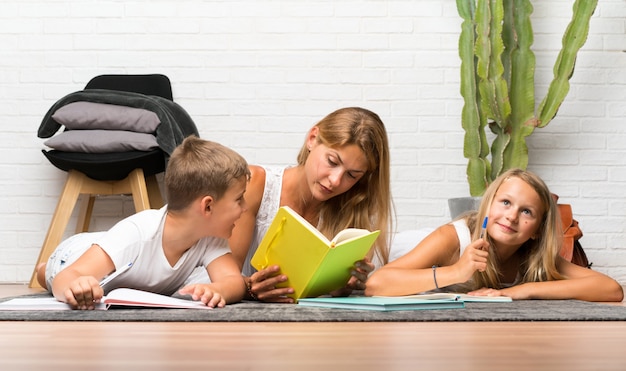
(199, 168)
(540, 252)
(368, 203)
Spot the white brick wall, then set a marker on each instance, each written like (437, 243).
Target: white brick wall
(255, 75)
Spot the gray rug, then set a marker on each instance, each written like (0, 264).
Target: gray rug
(522, 310)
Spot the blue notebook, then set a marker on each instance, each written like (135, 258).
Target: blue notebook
(380, 303)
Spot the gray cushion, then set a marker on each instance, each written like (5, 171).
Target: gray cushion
(88, 115)
(102, 141)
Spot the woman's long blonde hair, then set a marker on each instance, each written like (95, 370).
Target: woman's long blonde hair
(368, 203)
(540, 253)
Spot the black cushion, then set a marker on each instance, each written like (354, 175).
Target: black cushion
(154, 84)
(108, 166)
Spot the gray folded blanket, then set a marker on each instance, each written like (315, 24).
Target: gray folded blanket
(175, 126)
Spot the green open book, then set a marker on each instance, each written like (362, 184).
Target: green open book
(313, 264)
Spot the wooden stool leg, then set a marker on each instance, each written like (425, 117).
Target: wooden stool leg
(84, 215)
(139, 190)
(61, 217)
(154, 193)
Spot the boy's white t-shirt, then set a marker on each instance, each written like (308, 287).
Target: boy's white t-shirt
(138, 240)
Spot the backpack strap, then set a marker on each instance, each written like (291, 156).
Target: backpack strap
(571, 231)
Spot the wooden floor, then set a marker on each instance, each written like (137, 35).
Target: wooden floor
(310, 346)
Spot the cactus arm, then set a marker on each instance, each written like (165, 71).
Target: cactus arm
(482, 50)
(498, 149)
(522, 90)
(573, 39)
(489, 48)
(496, 68)
(475, 147)
(508, 38)
(500, 99)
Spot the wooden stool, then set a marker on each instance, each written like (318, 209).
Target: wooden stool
(144, 190)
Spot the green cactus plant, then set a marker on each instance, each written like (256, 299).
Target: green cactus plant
(498, 82)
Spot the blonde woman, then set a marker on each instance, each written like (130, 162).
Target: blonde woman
(341, 180)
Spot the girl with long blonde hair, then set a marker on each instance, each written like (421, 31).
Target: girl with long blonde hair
(515, 255)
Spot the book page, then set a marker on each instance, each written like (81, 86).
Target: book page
(433, 296)
(461, 297)
(39, 303)
(131, 297)
(484, 299)
(348, 234)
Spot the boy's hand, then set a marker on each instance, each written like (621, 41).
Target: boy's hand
(204, 293)
(83, 293)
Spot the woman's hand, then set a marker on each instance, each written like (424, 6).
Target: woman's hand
(262, 286)
(361, 271)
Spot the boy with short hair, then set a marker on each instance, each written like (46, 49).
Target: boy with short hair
(205, 183)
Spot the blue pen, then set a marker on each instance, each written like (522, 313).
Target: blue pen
(484, 228)
(111, 276)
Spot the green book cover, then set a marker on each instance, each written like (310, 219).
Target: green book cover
(313, 264)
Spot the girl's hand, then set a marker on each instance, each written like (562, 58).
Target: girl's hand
(518, 292)
(203, 292)
(474, 258)
(485, 291)
(361, 271)
(262, 286)
(83, 293)
(512, 292)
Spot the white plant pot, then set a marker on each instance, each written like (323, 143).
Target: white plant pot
(460, 205)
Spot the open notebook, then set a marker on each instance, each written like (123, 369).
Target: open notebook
(118, 297)
(457, 296)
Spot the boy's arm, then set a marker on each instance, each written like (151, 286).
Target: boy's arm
(79, 283)
(226, 278)
(227, 285)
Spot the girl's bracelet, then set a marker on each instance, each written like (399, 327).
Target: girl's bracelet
(435, 276)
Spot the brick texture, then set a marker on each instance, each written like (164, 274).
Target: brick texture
(255, 75)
